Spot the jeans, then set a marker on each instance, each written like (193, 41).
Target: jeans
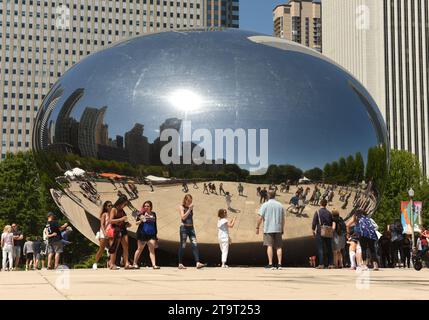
(324, 247)
(397, 247)
(186, 232)
(7, 254)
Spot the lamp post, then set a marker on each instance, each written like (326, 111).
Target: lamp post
(411, 195)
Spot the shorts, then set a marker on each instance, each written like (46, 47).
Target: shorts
(273, 240)
(37, 256)
(146, 237)
(55, 247)
(17, 251)
(29, 256)
(100, 235)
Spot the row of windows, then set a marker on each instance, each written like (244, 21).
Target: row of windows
(12, 144)
(12, 131)
(20, 107)
(12, 119)
(36, 73)
(21, 96)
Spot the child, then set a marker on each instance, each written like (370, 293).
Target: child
(223, 235)
(29, 254)
(228, 199)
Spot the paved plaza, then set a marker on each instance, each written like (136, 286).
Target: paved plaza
(215, 284)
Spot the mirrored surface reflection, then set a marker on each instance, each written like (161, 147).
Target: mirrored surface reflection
(221, 116)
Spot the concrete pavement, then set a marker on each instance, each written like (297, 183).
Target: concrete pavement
(215, 284)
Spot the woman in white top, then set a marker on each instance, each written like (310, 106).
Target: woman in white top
(7, 247)
(101, 235)
(223, 226)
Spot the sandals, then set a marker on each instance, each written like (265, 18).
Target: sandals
(129, 267)
(115, 268)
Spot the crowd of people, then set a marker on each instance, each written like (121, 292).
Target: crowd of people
(35, 250)
(352, 242)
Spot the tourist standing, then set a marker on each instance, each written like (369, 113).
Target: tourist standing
(186, 210)
(323, 220)
(223, 226)
(272, 214)
(146, 234)
(7, 247)
(29, 253)
(18, 239)
(101, 234)
(339, 238)
(55, 245)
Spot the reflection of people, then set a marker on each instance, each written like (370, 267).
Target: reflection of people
(240, 189)
(223, 226)
(146, 234)
(187, 230)
(205, 188)
(272, 214)
(221, 190)
(228, 200)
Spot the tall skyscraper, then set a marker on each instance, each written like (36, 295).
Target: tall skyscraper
(41, 39)
(299, 21)
(385, 44)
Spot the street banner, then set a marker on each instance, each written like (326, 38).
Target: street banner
(406, 215)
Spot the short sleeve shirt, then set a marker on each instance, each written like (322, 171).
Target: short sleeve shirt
(273, 214)
(222, 226)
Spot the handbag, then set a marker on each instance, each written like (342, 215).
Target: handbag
(325, 231)
(110, 231)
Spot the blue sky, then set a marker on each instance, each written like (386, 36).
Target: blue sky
(257, 15)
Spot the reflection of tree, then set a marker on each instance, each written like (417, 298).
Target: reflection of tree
(351, 170)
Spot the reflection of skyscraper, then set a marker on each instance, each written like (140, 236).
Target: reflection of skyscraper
(170, 123)
(137, 145)
(120, 142)
(64, 123)
(91, 129)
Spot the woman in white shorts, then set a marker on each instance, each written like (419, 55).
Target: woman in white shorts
(101, 235)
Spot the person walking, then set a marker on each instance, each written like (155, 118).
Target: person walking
(273, 216)
(7, 248)
(396, 231)
(101, 234)
(186, 210)
(221, 190)
(223, 226)
(323, 220)
(119, 221)
(146, 234)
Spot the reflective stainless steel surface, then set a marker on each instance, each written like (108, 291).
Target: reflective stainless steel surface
(290, 109)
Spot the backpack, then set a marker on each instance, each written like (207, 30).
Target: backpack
(366, 228)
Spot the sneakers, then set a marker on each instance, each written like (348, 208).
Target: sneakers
(279, 267)
(94, 266)
(320, 266)
(181, 266)
(331, 267)
(200, 265)
(156, 267)
(224, 266)
(270, 266)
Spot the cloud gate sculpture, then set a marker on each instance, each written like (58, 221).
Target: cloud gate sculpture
(162, 115)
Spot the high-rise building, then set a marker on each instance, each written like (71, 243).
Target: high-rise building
(137, 145)
(41, 39)
(299, 21)
(385, 44)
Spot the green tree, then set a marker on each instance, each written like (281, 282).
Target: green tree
(350, 169)
(315, 174)
(404, 172)
(23, 197)
(359, 168)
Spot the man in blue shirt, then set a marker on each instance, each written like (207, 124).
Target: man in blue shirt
(272, 214)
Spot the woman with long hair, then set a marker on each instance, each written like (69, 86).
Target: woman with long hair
(118, 220)
(101, 234)
(186, 210)
(146, 234)
(7, 247)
